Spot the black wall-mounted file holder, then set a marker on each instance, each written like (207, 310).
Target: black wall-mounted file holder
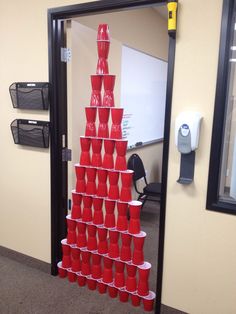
(26, 95)
(30, 132)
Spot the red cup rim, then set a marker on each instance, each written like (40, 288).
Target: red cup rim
(83, 136)
(91, 107)
(64, 241)
(128, 171)
(69, 217)
(106, 40)
(91, 76)
(113, 75)
(79, 165)
(150, 296)
(141, 234)
(116, 108)
(135, 203)
(113, 170)
(103, 107)
(145, 265)
(74, 192)
(121, 140)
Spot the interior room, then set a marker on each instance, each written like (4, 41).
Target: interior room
(82, 38)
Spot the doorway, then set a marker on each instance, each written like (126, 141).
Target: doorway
(61, 139)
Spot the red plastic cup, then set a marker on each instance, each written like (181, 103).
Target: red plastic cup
(96, 266)
(138, 255)
(91, 180)
(102, 67)
(102, 287)
(126, 180)
(103, 130)
(125, 252)
(92, 239)
(81, 280)
(102, 241)
(76, 205)
(96, 155)
(66, 257)
(122, 220)
(87, 209)
(107, 275)
(75, 263)
(91, 112)
(96, 82)
(72, 277)
(119, 278)
(81, 236)
(102, 182)
(108, 161)
(113, 192)
(143, 286)
(112, 291)
(148, 301)
(85, 143)
(121, 148)
(113, 249)
(80, 178)
(108, 97)
(110, 216)
(85, 264)
(92, 284)
(61, 271)
(135, 299)
(98, 212)
(103, 32)
(116, 130)
(103, 48)
(134, 222)
(131, 283)
(123, 295)
(71, 230)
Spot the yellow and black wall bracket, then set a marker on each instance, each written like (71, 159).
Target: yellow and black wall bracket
(172, 17)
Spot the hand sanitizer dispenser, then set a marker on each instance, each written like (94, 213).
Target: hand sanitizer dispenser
(187, 129)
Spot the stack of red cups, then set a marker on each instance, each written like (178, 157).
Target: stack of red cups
(92, 252)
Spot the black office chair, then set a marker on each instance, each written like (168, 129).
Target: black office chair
(151, 191)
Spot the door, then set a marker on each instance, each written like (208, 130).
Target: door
(60, 124)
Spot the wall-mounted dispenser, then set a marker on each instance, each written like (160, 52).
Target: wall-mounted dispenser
(187, 129)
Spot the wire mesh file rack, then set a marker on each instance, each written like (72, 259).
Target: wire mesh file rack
(31, 132)
(27, 95)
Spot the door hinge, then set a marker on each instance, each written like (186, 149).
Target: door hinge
(66, 154)
(65, 54)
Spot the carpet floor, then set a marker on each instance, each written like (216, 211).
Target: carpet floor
(26, 290)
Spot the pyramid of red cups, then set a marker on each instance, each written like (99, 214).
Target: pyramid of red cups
(103, 249)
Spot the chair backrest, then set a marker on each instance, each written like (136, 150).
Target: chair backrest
(135, 163)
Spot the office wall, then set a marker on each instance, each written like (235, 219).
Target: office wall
(25, 172)
(200, 256)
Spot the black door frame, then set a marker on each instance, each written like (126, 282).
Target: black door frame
(58, 119)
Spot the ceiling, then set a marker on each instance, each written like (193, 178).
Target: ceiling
(162, 10)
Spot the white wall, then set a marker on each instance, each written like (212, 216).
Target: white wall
(25, 172)
(200, 255)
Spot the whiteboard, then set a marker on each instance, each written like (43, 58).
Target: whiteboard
(143, 96)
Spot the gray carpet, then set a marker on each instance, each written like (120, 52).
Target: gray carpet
(26, 290)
